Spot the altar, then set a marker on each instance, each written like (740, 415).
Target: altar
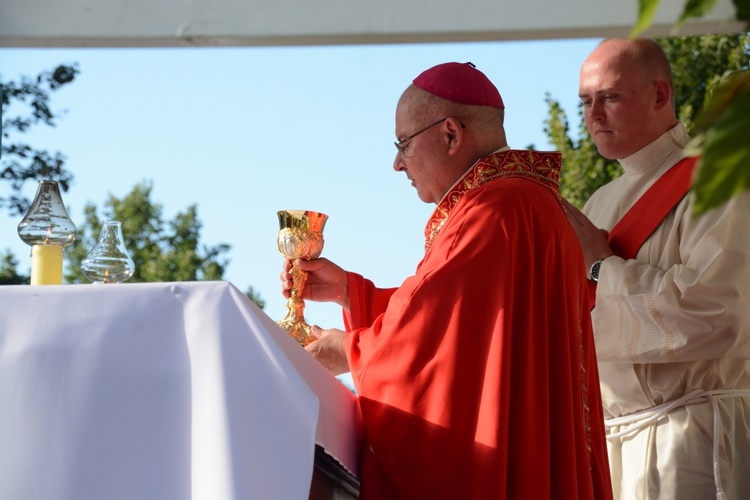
(165, 391)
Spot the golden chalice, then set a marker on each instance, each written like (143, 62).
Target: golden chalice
(300, 237)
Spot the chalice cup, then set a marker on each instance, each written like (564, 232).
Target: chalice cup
(300, 237)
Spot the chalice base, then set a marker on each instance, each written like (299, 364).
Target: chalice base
(294, 321)
(298, 330)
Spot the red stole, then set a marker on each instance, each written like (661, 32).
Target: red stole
(648, 212)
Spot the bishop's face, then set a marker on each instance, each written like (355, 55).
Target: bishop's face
(422, 154)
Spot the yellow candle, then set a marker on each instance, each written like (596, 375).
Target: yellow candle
(46, 264)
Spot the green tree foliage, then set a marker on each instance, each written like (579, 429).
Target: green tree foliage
(8, 270)
(722, 139)
(693, 8)
(584, 171)
(721, 133)
(255, 297)
(698, 64)
(25, 104)
(162, 250)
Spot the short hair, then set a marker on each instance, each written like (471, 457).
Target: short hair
(429, 107)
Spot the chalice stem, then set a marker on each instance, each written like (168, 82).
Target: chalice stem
(294, 321)
(299, 278)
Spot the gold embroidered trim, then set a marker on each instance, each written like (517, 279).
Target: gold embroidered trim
(585, 396)
(542, 167)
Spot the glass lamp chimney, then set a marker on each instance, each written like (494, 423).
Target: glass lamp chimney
(48, 229)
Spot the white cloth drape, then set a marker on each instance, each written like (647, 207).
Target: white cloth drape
(160, 391)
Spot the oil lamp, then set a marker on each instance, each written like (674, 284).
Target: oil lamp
(108, 261)
(48, 229)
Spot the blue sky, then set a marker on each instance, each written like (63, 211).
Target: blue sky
(245, 132)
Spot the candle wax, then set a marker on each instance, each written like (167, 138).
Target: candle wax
(46, 264)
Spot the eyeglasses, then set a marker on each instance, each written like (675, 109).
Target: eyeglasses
(401, 145)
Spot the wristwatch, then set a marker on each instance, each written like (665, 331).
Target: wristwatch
(594, 271)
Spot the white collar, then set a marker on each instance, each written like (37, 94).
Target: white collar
(654, 154)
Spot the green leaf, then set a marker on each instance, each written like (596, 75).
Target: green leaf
(723, 97)
(646, 12)
(723, 171)
(743, 10)
(693, 8)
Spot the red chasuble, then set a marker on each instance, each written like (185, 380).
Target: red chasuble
(477, 377)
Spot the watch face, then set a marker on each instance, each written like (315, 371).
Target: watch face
(595, 270)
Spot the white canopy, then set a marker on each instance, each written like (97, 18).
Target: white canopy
(174, 23)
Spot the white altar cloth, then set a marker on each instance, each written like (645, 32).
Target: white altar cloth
(160, 391)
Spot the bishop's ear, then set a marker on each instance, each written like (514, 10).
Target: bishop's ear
(455, 130)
